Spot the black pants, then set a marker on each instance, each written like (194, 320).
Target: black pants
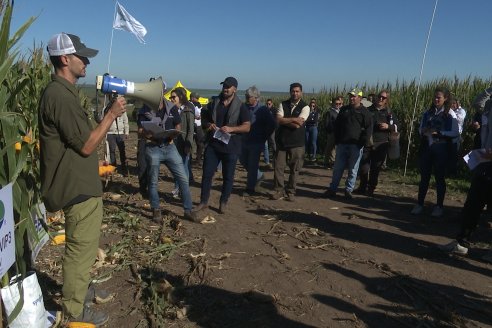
(199, 139)
(479, 194)
(116, 140)
(370, 165)
(143, 179)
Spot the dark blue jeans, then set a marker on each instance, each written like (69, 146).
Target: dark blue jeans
(311, 141)
(433, 159)
(210, 162)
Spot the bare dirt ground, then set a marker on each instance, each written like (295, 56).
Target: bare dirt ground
(314, 262)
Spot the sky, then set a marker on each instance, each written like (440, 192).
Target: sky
(272, 43)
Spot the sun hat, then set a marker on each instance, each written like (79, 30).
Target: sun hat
(67, 44)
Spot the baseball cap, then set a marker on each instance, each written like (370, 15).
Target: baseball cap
(194, 95)
(67, 44)
(355, 92)
(229, 82)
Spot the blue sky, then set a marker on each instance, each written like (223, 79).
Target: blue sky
(320, 43)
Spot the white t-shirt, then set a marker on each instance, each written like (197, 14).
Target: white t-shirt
(304, 112)
(198, 111)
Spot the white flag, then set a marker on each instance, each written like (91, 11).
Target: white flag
(125, 21)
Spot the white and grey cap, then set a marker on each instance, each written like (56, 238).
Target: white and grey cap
(67, 44)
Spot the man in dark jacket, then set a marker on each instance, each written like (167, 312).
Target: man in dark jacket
(373, 157)
(225, 119)
(352, 132)
(290, 139)
(330, 118)
(262, 126)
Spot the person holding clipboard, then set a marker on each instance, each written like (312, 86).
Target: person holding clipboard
(160, 129)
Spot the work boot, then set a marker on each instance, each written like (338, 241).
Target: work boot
(329, 193)
(191, 216)
(97, 295)
(156, 215)
(360, 191)
(89, 315)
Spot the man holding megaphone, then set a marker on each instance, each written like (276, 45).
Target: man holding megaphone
(69, 170)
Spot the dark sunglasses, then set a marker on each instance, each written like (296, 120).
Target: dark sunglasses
(382, 97)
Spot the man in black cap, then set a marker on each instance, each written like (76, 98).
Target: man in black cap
(225, 119)
(69, 170)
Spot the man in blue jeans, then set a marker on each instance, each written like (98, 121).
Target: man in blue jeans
(353, 130)
(225, 120)
(163, 150)
(262, 126)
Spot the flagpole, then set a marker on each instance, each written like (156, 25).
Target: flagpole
(418, 89)
(112, 34)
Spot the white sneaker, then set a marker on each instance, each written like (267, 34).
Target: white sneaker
(437, 211)
(417, 209)
(454, 247)
(175, 193)
(488, 257)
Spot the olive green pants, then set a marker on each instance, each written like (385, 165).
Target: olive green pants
(82, 231)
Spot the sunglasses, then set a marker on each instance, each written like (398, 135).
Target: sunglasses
(382, 97)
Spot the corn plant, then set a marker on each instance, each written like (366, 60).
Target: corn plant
(21, 83)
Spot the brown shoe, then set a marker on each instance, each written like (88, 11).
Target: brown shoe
(279, 194)
(200, 207)
(223, 208)
(290, 197)
(156, 215)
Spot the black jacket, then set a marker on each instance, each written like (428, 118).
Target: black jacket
(353, 126)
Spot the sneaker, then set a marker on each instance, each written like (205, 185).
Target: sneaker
(437, 211)
(175, 193)
(98, 296)
(417, 209)
(88, 315)
(278, 195)
(454, 248)
(329, 193)
(487, 257)
(191, 216)
(348, 195)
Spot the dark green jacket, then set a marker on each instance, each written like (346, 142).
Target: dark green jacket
(64, 127)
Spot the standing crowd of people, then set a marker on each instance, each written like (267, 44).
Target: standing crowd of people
(227, 131)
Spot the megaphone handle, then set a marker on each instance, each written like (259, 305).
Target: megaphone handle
(114, 95)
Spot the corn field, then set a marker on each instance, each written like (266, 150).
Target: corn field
(402, 103)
